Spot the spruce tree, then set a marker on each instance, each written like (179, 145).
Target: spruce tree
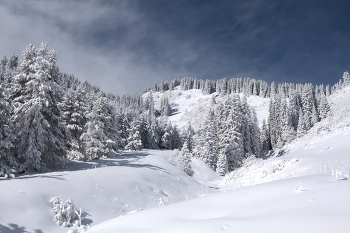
(222, 164)
(73, 109)
(134, 139)
(40, 133)
(324, 107)
(7, 160)
(265, 140)
(99, 140)
(184, 159)
(229, 132)
(204, 143)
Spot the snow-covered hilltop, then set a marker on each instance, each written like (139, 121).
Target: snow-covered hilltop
(192, 106)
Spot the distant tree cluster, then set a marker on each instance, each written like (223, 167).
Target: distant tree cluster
(48, 117)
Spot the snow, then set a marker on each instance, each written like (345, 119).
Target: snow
(104, 189)
(192, 106)
(303, 188)
(302, 196)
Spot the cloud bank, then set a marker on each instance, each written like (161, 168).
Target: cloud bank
(125, 46)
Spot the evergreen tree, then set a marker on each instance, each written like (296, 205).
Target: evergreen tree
(229, 132)
(265, 140)
(255, 133)
(40, 134)
(134, 139)
(184, 159)
(204, 142)
(97, 140)
(308, 106)
(189, 133)
(302, 128)
(153, 138)
(166, 140)
(7, 160)
(346, 79)
(222, 164)
(73, 109)
(324, 107)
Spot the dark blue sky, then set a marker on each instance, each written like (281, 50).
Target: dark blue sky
(124, 46)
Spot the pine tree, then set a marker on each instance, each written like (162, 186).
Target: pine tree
(184, 159)
(308, 106)
(229, 131)
(302, 128)
(255, 133)
(287, 133)
(166, 140)
(189, 133)
(7, 160)
(134, 139)
(222, 164)
(97, 140)
(153, 138)
(324, 107)
(204, 143)
(265, 140)
(346, 79)
(73, 109)
(247, 137)
(40, 134)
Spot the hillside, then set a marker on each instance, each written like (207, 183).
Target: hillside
(192, 106)
(301, 189)
(297, 192)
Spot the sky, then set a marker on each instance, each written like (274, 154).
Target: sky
(126, 46)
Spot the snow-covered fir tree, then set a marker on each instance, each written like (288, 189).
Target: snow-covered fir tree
(222, 164)
(184, 160)
(134, 139)
(265, 142)
(166, 139)
(346, 79)
(204, 143)
(40, 133)
(98, 141)
(229, 131)
(74, 111)
(188, 137)
(7, 160)
(324, 107)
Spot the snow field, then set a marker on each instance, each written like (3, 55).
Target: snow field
(104, 189)
(302, 195)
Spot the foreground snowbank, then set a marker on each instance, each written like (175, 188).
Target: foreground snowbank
(104, 189)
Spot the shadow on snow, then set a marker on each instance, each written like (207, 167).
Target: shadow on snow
(14, 228)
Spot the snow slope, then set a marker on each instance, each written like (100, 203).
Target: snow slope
(304, 188)
(192, 106)
(304, 197)
(103, 189)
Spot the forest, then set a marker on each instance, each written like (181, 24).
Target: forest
(48, 117)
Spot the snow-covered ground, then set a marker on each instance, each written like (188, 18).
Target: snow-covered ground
(104, 189)
(192, 106)
(306, 189)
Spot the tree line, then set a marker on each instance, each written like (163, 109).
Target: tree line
(48, 117)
